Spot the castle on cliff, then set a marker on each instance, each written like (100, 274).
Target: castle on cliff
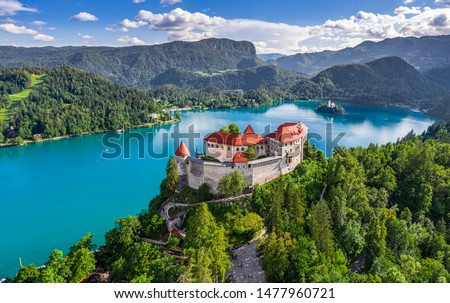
(275, 154)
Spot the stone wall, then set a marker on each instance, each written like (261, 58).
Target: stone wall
(285, 157)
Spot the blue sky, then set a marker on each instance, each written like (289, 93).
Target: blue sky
(285, 26)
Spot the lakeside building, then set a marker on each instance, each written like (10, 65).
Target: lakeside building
(277, 153)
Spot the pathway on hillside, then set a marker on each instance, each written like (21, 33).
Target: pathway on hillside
(247, 263)
(175, 222)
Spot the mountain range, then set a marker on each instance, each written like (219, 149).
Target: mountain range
(408, 71)
(139, 66)
(423, 53)
(385, 81)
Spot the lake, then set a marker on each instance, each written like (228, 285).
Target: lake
(53, 193)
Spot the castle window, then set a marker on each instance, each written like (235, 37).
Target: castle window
(237, 148)
(229, 148)
(242, 149)
(217, 145)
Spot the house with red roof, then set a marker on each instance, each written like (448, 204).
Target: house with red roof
(273, 155)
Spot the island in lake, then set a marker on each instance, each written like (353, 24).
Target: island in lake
(331, 108)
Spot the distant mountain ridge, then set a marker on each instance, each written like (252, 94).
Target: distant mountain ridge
(272, 56)
(423, 53)
(137, 66)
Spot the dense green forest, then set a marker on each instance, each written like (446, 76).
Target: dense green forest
(70, 102)
(375, 214)
(383, 216)
(211, 97)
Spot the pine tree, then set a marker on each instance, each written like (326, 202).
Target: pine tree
(321, 229)
(375, 240)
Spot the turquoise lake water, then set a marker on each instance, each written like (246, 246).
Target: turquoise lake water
(51, 194)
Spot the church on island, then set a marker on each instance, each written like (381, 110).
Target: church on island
(259, 158)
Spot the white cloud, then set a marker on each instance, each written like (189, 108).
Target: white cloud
(270, 37)
(84, 16)
(39, 23)
(42, 37)
(13, 29)
(116, 29)
(11, 7)
(403, 10)
(408, 1)
(139, 1)
(442, 2)
(170, 2)
(133, 24)
(130, 40)
(85, 36)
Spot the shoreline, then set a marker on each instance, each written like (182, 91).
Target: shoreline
(188, 108)
(30, 142)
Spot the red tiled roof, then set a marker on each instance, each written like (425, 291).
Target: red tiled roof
(240, 157)
(289, 132)
(249, 130)
(182, 150)
(286, 132)
(235, 139)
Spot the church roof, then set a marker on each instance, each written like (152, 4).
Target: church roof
(240, 157)
(182, 150)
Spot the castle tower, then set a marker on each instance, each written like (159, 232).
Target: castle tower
(182, 154)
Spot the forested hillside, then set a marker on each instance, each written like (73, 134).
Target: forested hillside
(383, 215)
(245, 79)
(375, 214)
(70, 102)
(137, 66)
(440, 75)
